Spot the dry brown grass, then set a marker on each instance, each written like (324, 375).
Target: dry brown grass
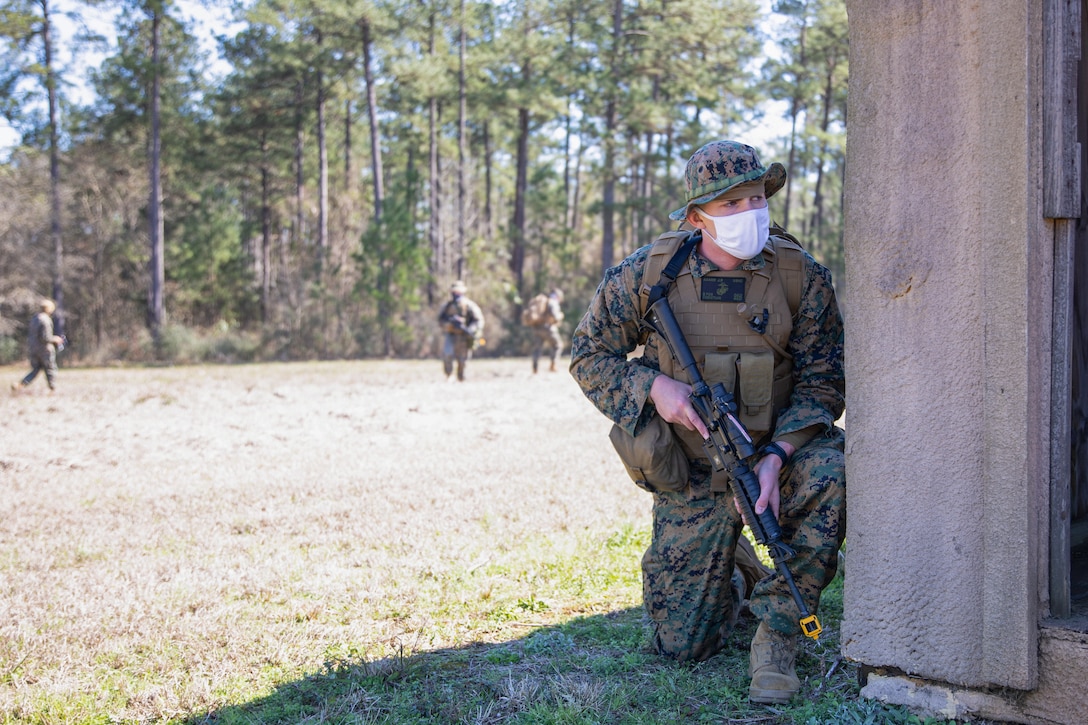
(174, 539)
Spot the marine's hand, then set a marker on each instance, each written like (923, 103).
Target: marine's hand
(770, 494)
(767, 470)
(671, 398)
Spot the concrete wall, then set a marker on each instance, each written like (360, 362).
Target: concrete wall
(949, 273)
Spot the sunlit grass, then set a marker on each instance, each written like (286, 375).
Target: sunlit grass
(348, 542)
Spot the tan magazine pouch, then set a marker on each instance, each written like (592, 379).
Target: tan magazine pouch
(749, 376)
(756, 393)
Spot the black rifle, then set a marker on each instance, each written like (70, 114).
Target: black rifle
(470, 330)
(728, 447)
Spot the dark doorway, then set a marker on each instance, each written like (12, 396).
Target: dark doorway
(1078, 474)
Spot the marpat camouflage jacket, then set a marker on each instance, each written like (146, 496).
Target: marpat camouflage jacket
(620, 388)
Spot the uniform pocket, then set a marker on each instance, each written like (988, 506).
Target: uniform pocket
(654, 459)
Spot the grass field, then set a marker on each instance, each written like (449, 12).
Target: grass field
(348, 542)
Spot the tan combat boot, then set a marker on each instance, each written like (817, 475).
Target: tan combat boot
(772, 665)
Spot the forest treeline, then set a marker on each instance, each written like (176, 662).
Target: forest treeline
(317, 197)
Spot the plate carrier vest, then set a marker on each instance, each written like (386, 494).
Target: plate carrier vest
(738, 339)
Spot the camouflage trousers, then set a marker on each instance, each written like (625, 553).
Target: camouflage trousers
(456, 348)
(546, 338)
(687, 570)
(43, 360)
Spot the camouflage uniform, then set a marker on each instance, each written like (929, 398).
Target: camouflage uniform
(462, 322)
(41, 349)
(546, 335)
(689, 563)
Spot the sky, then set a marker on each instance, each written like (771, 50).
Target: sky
(206, 23)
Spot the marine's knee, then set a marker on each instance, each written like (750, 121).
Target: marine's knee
(820, 470)
(681, 646)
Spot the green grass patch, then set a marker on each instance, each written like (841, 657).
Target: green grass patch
(308, 543)
(532, 656)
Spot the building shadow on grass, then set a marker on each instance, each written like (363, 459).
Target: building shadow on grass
(591, 669)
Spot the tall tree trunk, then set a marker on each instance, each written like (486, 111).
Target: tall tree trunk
(646, 229)
(347, 145)
(795, 111)
(461, 113)
(521, 179)
(489, 224)
(323, 174)
(608, 192)
(825, 124)
(517, 231)
(156, 228)
(438, 247)
(791, 157)
(375, 137)
(608, 196)
(97, 295)
(54, 171)
(323, 247)
(576, 194)
(568, 124)
(266, 232)
(410, 191)
(300, 176)
(439, 262)
(568, 130)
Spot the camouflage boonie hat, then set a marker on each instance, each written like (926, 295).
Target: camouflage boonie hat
(719, 166)
(458, 287)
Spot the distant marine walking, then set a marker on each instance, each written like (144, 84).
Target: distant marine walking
(42, 347)
(463, 325)
(542, 316)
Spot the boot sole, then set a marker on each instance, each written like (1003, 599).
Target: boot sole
(770, 697)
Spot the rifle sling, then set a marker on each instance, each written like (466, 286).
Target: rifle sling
(672, 269)
(760, 280)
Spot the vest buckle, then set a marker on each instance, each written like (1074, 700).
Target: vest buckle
(759, 322)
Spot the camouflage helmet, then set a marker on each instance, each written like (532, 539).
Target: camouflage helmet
(458, 287)
(719, 166)
(47, 306)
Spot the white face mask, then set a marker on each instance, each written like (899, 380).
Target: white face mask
(740, 235)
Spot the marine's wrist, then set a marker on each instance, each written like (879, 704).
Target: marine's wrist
(774, 449)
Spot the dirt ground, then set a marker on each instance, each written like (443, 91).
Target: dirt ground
(175, 526)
